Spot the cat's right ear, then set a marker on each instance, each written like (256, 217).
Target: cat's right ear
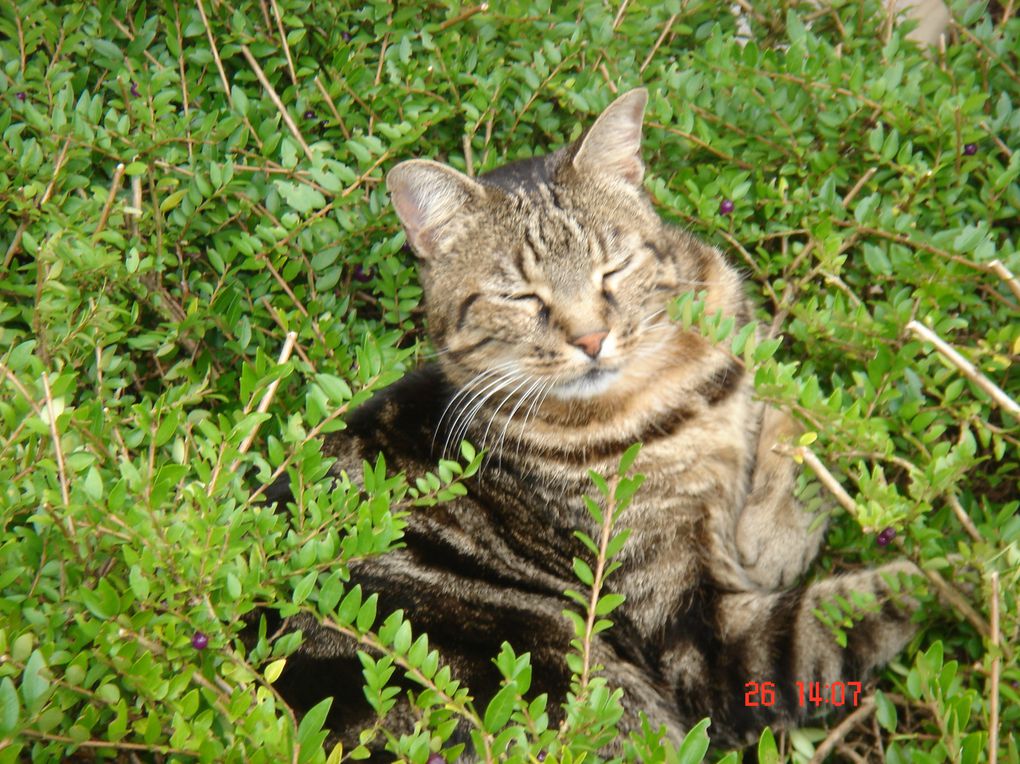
(427, 196)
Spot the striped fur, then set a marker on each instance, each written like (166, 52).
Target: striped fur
(524, 270)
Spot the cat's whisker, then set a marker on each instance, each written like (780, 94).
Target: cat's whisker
(466, 390)
(471, 406)
(462, 399)
(495, 413)
(524, 398)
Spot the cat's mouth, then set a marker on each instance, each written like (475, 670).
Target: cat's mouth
(593, 382)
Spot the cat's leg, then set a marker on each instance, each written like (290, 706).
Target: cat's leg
(732, 647)
(776, 537)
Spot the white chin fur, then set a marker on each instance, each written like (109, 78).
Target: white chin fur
(587, 387)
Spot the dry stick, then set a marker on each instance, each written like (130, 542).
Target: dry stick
(136, 203)
(276, 100)
(283, 39)
(215, 53)
(993, 705)
(861, 182)
(658, 42)
(958, 601)
(968, 369)
(835, 737)
(999, 269)
(279, 322)
(469, 160)
(463, 16)
(826, 478)
(12, 250)
(118, 176)
(332, 107)
(288, 348)
(964, 518)
(51, 415)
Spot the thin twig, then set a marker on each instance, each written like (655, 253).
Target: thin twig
(958, 601)
(463, 16)
(51, 415)
(267, 398)
(276, 100)
(332, 107)
(826, 478)
(999, 269)
(279, 322)
(16, 241)
(469, 161)
(968, 369)
(862, 181)
(835, 737)
(993, 703)
(964, 518)
(215, 53)
(658, 42)
(118, 176)
(283, 40)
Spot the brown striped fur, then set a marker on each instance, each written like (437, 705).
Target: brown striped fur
(521, 269)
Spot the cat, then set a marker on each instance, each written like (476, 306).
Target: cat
(546, 284)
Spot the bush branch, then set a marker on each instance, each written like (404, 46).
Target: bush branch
(966, 368)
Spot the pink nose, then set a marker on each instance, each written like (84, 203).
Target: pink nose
(591, 344)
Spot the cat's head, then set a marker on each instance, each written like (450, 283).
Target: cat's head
(551, 272)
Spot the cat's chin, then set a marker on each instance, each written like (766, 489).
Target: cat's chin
(592, 384)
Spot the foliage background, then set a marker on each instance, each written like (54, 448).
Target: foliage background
(184, 184)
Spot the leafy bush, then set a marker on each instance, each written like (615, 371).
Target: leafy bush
(201, 276)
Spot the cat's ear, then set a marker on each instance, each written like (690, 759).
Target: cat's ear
(427, 195)
(613, 144)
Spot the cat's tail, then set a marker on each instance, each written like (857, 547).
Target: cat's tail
(776, 658)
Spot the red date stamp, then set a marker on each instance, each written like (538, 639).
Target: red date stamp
(808, 693)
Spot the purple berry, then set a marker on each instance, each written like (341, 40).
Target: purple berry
(346, 36)
(726, 206)
(309, 114)
(886, 536)
(435, 758)
(541, 756)
(199, 641)
(970, 149)
(20, 96)
(360, 274)
(134, 89)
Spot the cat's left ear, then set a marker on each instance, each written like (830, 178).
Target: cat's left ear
(428, 196)
(613, 144)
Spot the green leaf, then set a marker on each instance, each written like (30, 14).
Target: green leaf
(767, 751)
(9, 707)
(35, 682)
(695, 744)
(497, 713)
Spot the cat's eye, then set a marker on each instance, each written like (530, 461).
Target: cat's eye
(616, 269)
(533, 301)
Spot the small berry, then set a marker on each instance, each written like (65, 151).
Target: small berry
(360, 274)
(20, 96)
(541, 756)
(886, 536)
(134, 89)
(970, 149)
(435, 758)
(346, 36)
(726, 206)
(309, 114)
(199, 641)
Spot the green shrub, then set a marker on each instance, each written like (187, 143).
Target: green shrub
(185, 184)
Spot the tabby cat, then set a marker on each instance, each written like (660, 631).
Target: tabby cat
(546, 283)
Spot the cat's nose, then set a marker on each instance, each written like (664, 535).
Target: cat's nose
(591, 343)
